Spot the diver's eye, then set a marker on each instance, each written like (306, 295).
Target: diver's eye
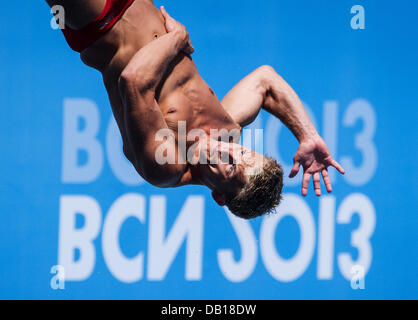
(231, 169)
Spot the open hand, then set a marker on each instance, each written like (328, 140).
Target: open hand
(314, 156)
(171, 25)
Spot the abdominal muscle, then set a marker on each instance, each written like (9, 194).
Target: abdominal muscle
(182, 95)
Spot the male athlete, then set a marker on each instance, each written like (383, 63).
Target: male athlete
(144, 56)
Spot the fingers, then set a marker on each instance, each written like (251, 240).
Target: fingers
(166, 17)
(172, 25)
(337, 166)
(327, 180)
(189, 46)
(305, 183)
(164, 12)
(188, 49)
(317, 183)
(295, 170)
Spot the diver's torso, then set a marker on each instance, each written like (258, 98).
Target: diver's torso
(182, 95)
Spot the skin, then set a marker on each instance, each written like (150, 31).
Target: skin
(152, 83)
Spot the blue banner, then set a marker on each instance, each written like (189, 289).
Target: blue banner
(77, 222)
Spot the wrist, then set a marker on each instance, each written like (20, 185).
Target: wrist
(310, 135)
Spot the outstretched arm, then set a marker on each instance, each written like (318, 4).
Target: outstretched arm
(143, 117)
(265, 89)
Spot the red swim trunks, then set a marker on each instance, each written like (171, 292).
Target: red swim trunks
(81, 39)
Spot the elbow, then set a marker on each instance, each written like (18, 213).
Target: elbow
(266, 75)
(126, 81)
(166, 177)
(266, 70)
(137, 80)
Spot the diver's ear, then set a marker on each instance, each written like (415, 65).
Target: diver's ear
(219, 198)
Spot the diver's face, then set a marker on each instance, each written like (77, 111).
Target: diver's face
(229, 165)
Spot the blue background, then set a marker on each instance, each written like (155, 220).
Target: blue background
(311, 44)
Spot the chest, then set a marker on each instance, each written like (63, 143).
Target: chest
(198, 112)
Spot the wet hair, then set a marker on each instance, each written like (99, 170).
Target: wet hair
(261, 194)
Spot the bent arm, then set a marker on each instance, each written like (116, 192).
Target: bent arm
(149, 65)
(265, 89)
(143, 117)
